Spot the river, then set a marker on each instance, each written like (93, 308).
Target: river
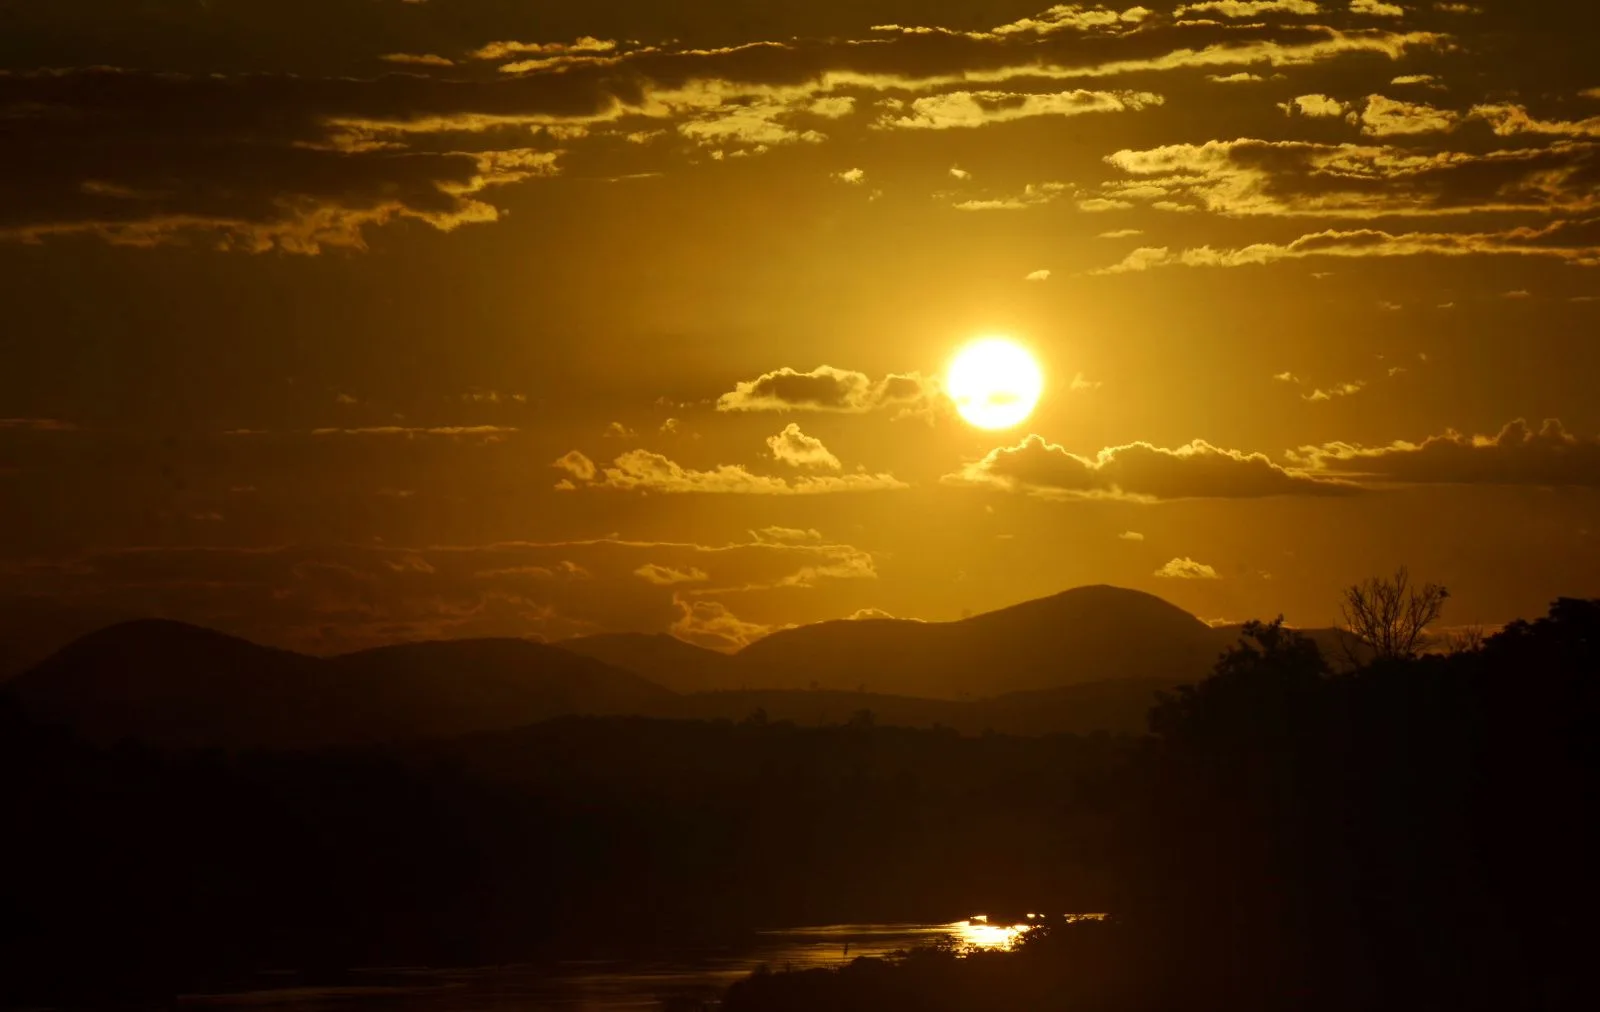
(608, 985)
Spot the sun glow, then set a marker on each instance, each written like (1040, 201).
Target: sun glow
(995, 383)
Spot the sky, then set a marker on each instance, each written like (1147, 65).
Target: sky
(334, 323)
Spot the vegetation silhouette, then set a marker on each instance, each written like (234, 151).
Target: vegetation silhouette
(1410, 833)
(1415, 833)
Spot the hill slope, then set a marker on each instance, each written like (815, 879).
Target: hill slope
(178, 685)
(665, 660)
(1091, 634)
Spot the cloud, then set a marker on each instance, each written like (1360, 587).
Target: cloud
(1247, 8)
(1032, 194)
(968, 109)
(1075, 17)
(1387, 117)
(843, 564)
(1508, 120)
(1315, 106)
(300, 163)
(868, 615)
(37, 425)
(1130, 536)
(795, 448)
(488, 433)
(1187, 569)
(787, 536)
(1140, 472)
(1377, 9)
(1337, 390)
(855, 177)
(418, 59)
(1059, 18)
(710, 624)
(1517, 455)
(504, 50)
(577, 465)
(826, 388)
(254, 163)
(1249, 177)
(1041, 275)
(566, 569)
(643, 471)
(1122, 233)
(1574, 243)
(666, 576)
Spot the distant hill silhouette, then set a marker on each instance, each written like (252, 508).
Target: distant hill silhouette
(1091, 634)
(664, 659)
(1084, 660)
(32, 627)
(180, 685)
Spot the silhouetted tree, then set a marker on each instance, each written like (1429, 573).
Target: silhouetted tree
(1391, 615)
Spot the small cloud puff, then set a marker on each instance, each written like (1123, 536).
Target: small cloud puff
(795, 448)
(666, 576)
(577, 465)
(1187, 569)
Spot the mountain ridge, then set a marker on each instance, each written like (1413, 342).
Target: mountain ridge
(174, 684)
(1089, 658)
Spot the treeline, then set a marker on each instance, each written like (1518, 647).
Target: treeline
(1418, 833)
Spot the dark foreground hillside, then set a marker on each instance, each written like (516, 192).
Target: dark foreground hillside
(1412, 835)
(1415, 835)
(133, 872)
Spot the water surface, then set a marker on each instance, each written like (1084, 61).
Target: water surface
(611, 985)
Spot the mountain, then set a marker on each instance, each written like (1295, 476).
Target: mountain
(1088, 659)
(1091, 634)
(665, 660)
(179, 685)
(456, 686)
(33, 627)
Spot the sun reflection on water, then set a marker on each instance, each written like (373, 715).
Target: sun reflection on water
(978, 933)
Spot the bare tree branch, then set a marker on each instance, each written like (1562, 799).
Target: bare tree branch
(1390, 615)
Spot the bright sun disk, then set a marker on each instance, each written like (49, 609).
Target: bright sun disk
(995, 383)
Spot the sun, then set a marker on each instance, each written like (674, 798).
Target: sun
(995, 383)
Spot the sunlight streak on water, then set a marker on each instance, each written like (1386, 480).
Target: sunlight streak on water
(604, 985)
(976, 934)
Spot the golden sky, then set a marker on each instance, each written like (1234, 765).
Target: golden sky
(335, 322)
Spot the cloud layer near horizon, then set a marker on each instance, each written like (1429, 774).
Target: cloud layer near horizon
(1141, 472)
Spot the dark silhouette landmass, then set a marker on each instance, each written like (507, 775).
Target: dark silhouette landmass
(1416, 833)
(1406, 833)
(1089, 659)
(662, 658)
(1091, 634)
(179, 685)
